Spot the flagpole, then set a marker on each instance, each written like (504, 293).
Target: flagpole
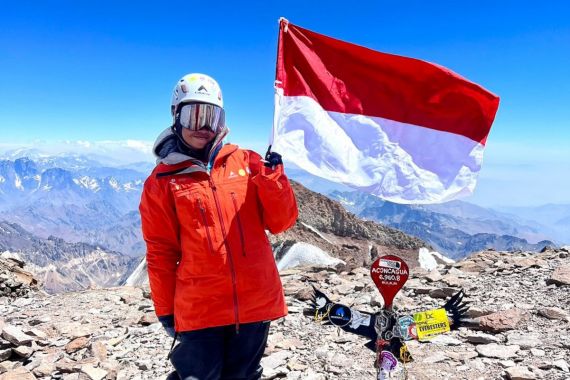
(278, 85)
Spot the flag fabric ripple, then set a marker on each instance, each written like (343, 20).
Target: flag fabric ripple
(403, 129)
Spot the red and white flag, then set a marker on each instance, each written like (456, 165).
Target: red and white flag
(403, 129)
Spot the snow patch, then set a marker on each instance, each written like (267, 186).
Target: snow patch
(345, 201)
(18, 183)
(139, 276)
(443, 258)
(301, 254)
(10, 255)
(427, 259)
(87, 182)
(114, 184)
(2, 179)
(129, 186)
(317, 232)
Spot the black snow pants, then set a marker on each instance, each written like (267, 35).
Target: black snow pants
(218, 353)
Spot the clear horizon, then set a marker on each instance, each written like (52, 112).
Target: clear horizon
(105, 71)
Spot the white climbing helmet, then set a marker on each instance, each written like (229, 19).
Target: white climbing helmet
(196, 88)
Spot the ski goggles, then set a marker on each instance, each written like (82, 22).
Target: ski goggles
(196, 116)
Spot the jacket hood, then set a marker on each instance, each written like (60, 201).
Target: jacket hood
(166, 148)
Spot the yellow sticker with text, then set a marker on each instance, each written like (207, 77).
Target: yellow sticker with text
(431, 323)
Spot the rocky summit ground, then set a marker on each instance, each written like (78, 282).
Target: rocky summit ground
(521, 302)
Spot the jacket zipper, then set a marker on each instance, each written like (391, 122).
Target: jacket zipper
(230, 258)
(239, 224)
(203, 212)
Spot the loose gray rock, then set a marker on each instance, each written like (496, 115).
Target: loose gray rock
(493, 350)
(15, 335)
(23, 351)
(19, 373)
(433, 276)
(562, 364)
(524, 340)
(5, 354)
(478, 337)
(519, 373)
(93, 373)
(554, 313)
(560, 276)
(446, 340)
(77, 344)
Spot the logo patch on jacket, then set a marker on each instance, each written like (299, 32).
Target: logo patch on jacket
(240, 173)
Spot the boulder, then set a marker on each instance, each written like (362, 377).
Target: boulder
(93, 373)
(19, 373)
(76, 345)
(501, 321)
(481, 338)
(525, 340)
(23, 351)
(554, 313)
(519, 373)
(494, 350)
(560, 276)
(5, 354)
(16, 336)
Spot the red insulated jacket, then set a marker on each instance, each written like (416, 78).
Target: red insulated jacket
(209, 260)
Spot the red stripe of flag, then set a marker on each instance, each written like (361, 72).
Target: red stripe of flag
(348, 78)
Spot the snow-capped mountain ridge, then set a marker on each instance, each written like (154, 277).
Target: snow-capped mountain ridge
(25, 180)
(91, 204)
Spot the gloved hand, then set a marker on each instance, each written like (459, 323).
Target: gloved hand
(167, 322)
(272, 159)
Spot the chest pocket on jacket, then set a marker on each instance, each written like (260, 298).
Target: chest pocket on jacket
(195, 212)
(205, 225)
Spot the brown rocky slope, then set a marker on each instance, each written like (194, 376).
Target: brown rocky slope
(326, 224)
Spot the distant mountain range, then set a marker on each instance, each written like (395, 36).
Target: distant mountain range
(455, 228)
(555, 216)
(62, 266)
(74, 198)
(80, 199)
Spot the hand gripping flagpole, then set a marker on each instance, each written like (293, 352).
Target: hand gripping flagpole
(278, 84)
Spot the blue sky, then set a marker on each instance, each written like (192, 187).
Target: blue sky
(105, 70)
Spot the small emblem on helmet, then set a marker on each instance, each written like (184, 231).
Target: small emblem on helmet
(183, 88)
(202, 89)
